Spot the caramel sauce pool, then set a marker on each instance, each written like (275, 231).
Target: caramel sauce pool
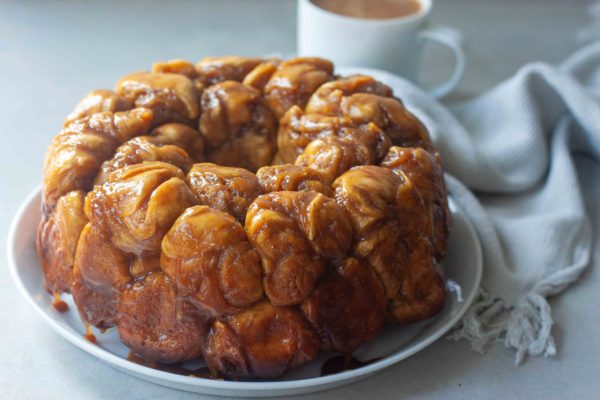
(343, 363)
(202, 372)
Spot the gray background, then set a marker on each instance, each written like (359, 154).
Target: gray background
(52, 53)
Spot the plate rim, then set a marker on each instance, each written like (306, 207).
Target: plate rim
(211, 384)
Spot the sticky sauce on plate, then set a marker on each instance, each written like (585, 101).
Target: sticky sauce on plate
(343, 363)
(58, 304)
(202, 372)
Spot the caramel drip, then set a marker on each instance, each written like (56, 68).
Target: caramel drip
(58, 304)
(89, 335)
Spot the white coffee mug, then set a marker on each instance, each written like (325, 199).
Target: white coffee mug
(392, 44)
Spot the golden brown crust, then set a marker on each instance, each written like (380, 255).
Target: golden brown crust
(387, 214)
(393, 226)
(209, 259)
(98, 101)
(331, 155)
(337, 234)
(182, 136)
(139, 150)
(294, 81)
(151, 322)
(57, 241)
(289, 177)
(176, 66)
(171, 97)
(296, 234)
(262, 341)
(213, 70)
(348, 306)
(327, 98)
(297, 130)
(390, 115)
(424, 169)
(260, 75)
(227, 189)
(137, 205)
(76, 153)
(423, 292)
(100, 272)
(238, 127)
(144, 264)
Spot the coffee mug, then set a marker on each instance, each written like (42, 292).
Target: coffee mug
(393, 44)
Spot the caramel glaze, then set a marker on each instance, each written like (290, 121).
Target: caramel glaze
(89, 335)
(289, 262)
(332, 366)
(59, 305)
(202, 372)
(343, 363)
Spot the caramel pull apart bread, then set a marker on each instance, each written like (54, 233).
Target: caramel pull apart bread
(246, 211)
(171, 97)
(227, 189)
(238, 127)
(210, 260)
(296, 234)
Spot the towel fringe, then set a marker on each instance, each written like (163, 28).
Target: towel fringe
(524, 326)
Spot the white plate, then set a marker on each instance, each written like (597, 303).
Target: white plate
(463, 265)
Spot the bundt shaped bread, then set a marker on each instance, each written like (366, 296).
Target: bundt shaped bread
(247, 211)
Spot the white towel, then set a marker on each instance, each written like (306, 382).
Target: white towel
(508, 157)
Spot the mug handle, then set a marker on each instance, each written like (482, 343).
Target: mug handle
(451, 38)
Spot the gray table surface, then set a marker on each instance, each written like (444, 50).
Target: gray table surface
(52, 53)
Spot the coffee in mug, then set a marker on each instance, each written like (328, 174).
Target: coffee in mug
(371, 9)
(381, 34)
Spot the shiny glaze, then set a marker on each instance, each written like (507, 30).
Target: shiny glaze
(290, 177)
(176, 66)
(327, 98)
(89, 335)
(296, 234)
(364, 101)
(101, 270)
(394, 228)
(331, 156)
(139, 150)
(256, 272)
(228, 189)
(299, 129)
(138, 204)
(260, 75)
(354, 314)
(98, 101)
(211, 262)
(56, 241)
(425, 170)
(76, 153)
(390, 115)
(182, 136)
(213, 70)
(294, 81)
(171, 97)
(58, 304)
(237, 125)
(262, 342)
(153, 323)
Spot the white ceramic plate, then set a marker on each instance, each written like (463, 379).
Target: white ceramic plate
(463, 266)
